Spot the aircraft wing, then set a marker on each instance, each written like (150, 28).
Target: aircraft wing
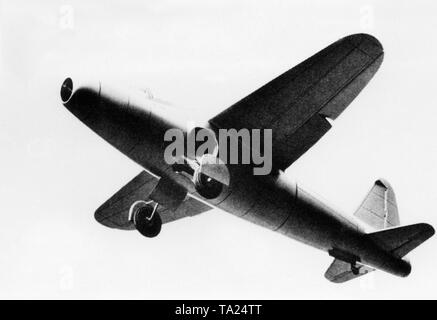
(296, 104)
(114, 213)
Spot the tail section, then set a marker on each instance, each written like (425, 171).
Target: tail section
(379, 209)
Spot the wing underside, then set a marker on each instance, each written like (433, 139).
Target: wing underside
(296, 104)
(114, 213)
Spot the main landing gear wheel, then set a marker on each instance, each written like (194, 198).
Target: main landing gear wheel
(146, 219)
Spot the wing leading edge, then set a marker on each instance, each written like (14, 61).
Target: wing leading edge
(296, 104)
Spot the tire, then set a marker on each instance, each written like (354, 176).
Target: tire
(148, 228)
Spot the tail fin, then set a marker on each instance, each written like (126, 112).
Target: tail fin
(401, 240)
(379, 209)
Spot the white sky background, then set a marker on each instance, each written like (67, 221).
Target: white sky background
(54, 171)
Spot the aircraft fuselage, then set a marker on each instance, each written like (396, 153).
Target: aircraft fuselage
(135, 125)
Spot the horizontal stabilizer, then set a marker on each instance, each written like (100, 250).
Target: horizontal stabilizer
(401, 240)
(340, 271)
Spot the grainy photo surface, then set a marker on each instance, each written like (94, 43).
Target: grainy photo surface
(218, 150)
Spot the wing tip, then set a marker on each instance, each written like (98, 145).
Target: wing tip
(98, 215)
(367, 43)
(101, 218)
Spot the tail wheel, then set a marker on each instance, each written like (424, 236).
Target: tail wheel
(147, 220)
(355, 269)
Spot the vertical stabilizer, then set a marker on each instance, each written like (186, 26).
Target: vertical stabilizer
(379, 209)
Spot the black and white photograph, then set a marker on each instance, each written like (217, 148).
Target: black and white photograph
(218, 151)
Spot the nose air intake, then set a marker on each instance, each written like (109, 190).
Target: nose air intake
(66, 89)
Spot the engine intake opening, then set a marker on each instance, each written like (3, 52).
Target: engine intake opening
(66, 89)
